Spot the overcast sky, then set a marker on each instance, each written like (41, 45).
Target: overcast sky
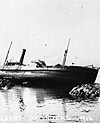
(43, 28)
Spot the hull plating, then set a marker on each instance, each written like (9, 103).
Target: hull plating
(69, 75)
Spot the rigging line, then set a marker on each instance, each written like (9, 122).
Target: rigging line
(51, 55)
(54, 55)
(56, 60)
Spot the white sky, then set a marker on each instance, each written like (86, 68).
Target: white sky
(43, 28)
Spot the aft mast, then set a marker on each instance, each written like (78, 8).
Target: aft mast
(65, 55)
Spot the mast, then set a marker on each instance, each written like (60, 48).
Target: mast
(7, 54)
(65, 54)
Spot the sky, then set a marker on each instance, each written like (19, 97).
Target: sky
(43, 28)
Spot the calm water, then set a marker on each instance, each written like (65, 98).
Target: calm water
(38, 105)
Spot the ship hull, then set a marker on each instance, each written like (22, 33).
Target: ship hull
(67, 76)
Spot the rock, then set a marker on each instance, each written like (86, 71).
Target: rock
(85, 91)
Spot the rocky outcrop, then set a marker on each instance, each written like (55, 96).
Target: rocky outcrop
(85, 91)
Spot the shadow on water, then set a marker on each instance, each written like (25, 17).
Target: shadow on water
(9, 83)
(59, 90)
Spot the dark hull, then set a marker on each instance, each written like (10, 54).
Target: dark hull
(67, 76)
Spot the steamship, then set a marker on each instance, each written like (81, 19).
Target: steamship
(43, 75)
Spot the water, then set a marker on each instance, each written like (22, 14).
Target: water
(41, 105)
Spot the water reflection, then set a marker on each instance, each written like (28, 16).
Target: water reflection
(30, 103)
(19, 93)
(6, 96)
(40, 95)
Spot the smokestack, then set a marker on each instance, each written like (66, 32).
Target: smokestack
(22, 57)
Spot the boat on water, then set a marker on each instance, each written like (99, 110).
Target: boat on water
(51, 75)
